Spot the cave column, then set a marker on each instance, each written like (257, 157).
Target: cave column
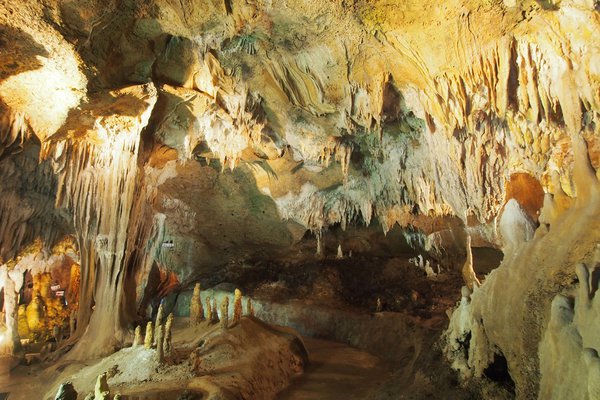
(10, 343)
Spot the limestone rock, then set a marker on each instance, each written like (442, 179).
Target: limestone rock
(66, 392)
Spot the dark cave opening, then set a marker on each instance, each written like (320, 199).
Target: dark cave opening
(498, 372)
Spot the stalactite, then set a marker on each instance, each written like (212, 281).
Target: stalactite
(100, 184)
(468, 272)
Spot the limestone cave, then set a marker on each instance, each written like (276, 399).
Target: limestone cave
(299, 199)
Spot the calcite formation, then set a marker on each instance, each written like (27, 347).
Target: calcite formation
(149, 337)
(166, 140)
(237, 305)
(196, 309)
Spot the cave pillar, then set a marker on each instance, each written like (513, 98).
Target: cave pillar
(10, 343)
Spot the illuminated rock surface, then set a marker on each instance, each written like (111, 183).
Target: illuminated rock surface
(348, 165)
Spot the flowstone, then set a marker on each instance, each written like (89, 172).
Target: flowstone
(568, 352)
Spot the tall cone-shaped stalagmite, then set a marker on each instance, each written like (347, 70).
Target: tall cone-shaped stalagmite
(159, 320)
(101, 390)
(237, 305)
(215, 313)
(249, 308)
(196, 309)
(168, 335)
(160, 336)
(225, 313)
(137, 338)
(149, 338)
(209, 310)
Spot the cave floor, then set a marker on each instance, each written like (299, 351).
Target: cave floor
(337, 371)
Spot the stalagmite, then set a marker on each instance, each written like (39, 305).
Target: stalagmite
(12, 344)
(168, 335)
(196, 309)
(160, 336)
(66, 391)
(72, 322)
(225, 313)
(57, 334)
(237, 305)
(340, 254)
(215, 314)
(209, 310)
(249, 308)
(149, 338)
(319, 245)
(137, 338)
(158, 321)
(101, 390)
(467, 271)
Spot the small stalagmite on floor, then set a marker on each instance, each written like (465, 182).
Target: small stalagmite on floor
(137, 339)
(225, 312)
(159, 321)
(209, 311)
(66, 391)
(167, 345)
(196, 309)
(160, 335)
(249, 308)
(149, 336)
(215, 314)
(237, 306)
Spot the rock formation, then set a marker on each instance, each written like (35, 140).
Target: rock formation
(137, 338)
(147, 145)
(66, 392)
(224, 314)
(149, 337)
(209, 310)
(237, 305)
(249, 308)
(160, 339)
(167, 342)
(196, 309)
(468, 272)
